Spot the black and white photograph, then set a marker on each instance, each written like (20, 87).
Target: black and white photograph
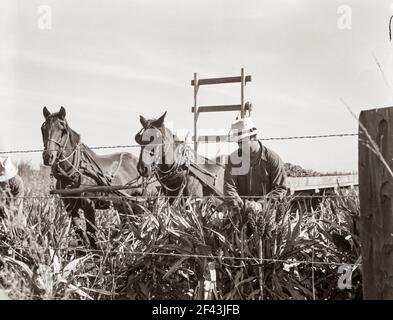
(208, 151)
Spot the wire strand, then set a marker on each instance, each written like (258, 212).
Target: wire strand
(204, 256)
(137, 145)
(136, 198)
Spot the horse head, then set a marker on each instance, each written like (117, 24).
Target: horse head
(155, 141)
(56, 135)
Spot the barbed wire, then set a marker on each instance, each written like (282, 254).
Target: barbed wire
(200, 256)
(146, 198)
(190, 143)
(311, 136)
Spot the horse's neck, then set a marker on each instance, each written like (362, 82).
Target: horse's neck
(170, 144)
(73, 141)
(70, 153)
(86, 150)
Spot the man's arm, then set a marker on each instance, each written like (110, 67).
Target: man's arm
(230, 189)
(278, 176)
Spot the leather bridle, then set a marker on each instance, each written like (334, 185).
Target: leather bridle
(60, 157)
(175, 169)
(58, 142)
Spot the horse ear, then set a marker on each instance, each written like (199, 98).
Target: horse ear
(143, 121)
(62, 113)
(46, 112)
(160, 121)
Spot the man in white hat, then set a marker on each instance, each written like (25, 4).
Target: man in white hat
(11, 184)
(253, 171)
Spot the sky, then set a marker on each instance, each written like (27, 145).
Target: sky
(107, 62)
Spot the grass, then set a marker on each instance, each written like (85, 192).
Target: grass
(152, 256)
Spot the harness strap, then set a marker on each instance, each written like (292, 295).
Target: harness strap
(175, 171)
(81, 163)
(199, 173)
(73, 174)
(204, 176)
(113, 175)
(100, 177)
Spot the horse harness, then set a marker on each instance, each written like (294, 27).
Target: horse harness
(82, 164)
(186, 163)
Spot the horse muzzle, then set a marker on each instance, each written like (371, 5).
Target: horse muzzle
(144, 171)
(49, 157)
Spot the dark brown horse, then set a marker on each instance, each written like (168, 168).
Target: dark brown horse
(173, 163)
(75, 165)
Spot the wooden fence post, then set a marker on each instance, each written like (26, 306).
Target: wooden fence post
(376, 203)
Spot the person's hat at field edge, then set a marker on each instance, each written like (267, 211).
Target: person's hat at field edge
(7, 169)
(248, 107)
(242, 128)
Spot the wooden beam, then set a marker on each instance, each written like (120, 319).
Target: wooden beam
(196, 111)
(322, 182)
(202, 82)
(376, 203)
(222, 108)
(242, 84)
(92, 189)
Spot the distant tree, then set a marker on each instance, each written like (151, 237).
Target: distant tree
(294, 170)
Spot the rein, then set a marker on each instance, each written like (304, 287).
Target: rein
(78, 161)
(70, 174)
(182, 167)
(175, 170)
(81, 163)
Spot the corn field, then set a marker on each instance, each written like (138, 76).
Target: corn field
(163, 253)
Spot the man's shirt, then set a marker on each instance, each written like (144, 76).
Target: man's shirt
(265, 176)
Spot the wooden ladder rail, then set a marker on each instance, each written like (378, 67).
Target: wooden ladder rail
(196, 110)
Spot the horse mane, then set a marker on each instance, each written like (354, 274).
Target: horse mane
(75, 138)
(202, 159)
(166, 132)
(174, 137)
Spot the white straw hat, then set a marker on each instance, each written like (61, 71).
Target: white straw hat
(242, 128)
(7, 169)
